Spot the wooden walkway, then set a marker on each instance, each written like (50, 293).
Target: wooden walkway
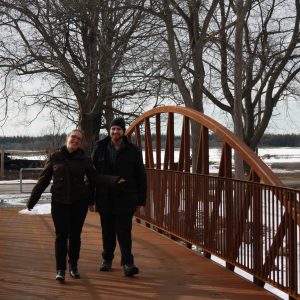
(168, 270)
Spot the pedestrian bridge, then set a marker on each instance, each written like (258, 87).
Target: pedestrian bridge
(252, 224)
(192, 217)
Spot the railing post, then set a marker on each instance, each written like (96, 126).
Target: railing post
(292, 241)
(2, 163)
(21, 175)
(208, 244)
(257, 236)
(21, 171)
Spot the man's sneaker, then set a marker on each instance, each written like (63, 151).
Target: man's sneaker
(130, 270)
(106, 266)
(60, 275)
(74, 273)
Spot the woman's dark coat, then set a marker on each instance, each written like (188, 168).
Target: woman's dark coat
(68, 171)
(129, 165)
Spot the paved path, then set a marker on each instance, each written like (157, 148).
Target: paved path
(168, 270)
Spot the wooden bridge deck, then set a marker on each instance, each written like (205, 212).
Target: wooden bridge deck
(168, 270)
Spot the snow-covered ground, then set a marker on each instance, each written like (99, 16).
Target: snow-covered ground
(39, 209)
(34, 155)
(281, 160)
(19, 200)
(17, 181)
(268, 155)
(281, 155)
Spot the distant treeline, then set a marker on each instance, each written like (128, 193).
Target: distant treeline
(54, 141)
(31, 143)
(280, 140)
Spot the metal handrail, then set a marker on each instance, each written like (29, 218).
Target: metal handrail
(237, 221)
(21, 175)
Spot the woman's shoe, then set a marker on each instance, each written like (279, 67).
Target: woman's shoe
(60, 275)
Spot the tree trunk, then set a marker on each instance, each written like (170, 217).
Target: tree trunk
(87, 125)
(238, 84)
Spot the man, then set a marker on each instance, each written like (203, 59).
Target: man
(115, 155)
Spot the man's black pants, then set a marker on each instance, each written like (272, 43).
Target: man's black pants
(117, 226)
(68, 222)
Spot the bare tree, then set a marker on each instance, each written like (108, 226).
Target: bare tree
(270, 62)
(241, 55)
(187, 31)
(77, 49)
(240, 9)
(100, 58)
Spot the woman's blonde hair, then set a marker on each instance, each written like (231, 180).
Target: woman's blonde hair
(78, 130)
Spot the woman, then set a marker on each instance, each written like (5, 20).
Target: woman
(70, 198)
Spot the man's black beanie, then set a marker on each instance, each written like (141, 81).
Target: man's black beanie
(118, 122)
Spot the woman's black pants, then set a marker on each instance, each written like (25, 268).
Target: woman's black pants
(68, 221)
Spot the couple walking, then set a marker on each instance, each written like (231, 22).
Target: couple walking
(116, 187)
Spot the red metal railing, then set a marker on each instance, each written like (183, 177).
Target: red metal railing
(250, 225)
(244, 223)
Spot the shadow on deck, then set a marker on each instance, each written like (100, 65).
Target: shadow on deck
(168, 270)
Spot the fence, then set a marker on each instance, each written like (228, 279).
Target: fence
(21, 175)
(249, 225)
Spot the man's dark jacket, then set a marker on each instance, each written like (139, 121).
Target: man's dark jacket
(124, 197)
(68, 171)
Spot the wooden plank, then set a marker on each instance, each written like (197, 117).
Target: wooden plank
(168, 270)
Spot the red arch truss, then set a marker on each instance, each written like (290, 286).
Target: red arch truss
(258, 169)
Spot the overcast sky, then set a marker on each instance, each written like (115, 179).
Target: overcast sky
(285, 120)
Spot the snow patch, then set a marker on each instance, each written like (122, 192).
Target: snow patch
(39, 209)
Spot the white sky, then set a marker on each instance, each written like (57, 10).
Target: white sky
(285, 120)
(21, 124)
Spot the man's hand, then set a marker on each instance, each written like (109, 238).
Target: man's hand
(121, 180)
